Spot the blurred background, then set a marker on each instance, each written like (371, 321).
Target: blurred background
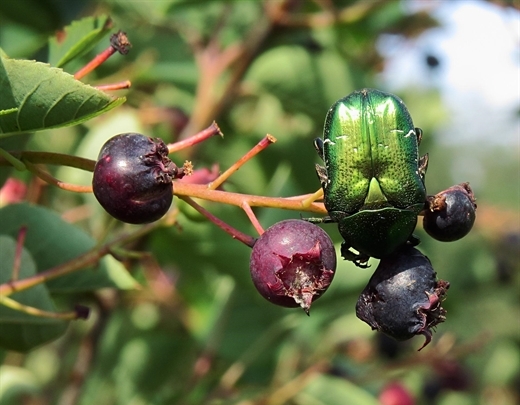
(198, 332)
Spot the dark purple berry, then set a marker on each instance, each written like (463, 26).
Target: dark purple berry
(403, 297)
(450, 214)
(293, 263)
(133, 178)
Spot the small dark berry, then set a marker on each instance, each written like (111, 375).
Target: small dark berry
(450, 214)
(133, 178)
(293, 263)
(432, 61)
(452, 375)
(82, 312)
(403, 297)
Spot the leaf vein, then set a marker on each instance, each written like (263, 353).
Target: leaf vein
(56, 102)
(81, 105)
(23, 102)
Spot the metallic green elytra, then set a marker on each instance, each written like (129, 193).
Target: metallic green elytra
(373, 178)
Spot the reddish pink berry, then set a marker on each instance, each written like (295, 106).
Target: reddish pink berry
(293, 263)
(12, 191)
(395, 394)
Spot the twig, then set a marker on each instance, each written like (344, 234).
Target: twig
(260, 146)
(48, 178)
(236, 234)
(18, 253)
(83, 261)
(252, 217)
(210, 131)
(201, 191)
(118, 43)
(66, 316)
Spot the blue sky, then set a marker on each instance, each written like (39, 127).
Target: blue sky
(478, 46)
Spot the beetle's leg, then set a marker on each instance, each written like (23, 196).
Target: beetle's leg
(318, 145)
(322, 176)
(418, 134)
(413, 240)
(423, 165)
(324, 220)
(359, 259)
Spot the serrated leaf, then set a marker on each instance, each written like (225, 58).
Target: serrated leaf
(21, 331)
(46, 97)
(77, 39)
(52, 241)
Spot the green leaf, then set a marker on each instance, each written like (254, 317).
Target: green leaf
(9, 111)
(78, 38)
(52, 241)
(46, 97)
(302, 81)
(21, 331)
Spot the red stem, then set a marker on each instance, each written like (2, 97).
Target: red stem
(114, 86)
(252, 217)
(18, 253)
(260, 146)
(94, 63)
(210, 131)
(235, 234)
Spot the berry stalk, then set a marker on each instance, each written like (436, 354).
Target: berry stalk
(235, 234)
(118, 43)
(260, 146)
(230, 198)
(201, 136)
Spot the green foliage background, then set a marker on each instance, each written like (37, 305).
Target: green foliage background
(196, 331)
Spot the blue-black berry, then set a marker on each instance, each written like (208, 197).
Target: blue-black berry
(450, 214)
(403, 297)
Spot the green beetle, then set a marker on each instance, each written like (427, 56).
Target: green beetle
(373, 178)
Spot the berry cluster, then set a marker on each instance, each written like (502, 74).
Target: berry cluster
(403, 297)
(294, 261)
